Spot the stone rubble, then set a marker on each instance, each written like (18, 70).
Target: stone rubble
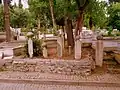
(67, 67)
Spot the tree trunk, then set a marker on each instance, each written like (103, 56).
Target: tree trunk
(79, 24)
(20, 4)
(52, 12)
(7, 21)
(68, 26)
(90, 23)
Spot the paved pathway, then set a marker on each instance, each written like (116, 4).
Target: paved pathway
(11, 44)
(27, 86)
(7, 48)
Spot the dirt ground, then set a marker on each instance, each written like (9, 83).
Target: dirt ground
(52, 53)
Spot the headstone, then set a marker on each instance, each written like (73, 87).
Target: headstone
(45, 54)
(59, 46)
(78, 49)
(99, 53)
(30, 44)
(30, 47)
(86, 34)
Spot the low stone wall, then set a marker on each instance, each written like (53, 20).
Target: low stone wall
(69, 67)
(20, 50)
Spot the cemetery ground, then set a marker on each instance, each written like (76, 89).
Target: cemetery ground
(24, 73)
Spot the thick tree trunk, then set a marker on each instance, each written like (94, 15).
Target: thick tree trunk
(52, 12)
(90, 23)
(68, 26)
(20, 4)
(79, 24)
(7, 21)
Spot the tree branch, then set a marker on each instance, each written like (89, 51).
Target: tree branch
(84, 6)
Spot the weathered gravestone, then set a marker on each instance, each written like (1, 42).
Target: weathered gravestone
(30, 44)
(59, 46)
(78, 49)
(99, 53)
(45, 52)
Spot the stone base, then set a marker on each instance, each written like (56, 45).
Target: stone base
(17, 51)
(69, 67)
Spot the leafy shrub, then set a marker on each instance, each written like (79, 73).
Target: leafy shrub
(37, 48)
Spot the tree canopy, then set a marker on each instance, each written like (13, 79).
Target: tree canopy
(98, 14)
(114, 15)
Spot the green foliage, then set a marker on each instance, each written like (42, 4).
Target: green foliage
(114, 18)
(80, 3)
(59, 9)
(19, 17)
(62, 7)
(96, 10)
(110, 31)
(40, 10)
(37, 48)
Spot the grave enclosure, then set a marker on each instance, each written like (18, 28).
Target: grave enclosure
(98, 45)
